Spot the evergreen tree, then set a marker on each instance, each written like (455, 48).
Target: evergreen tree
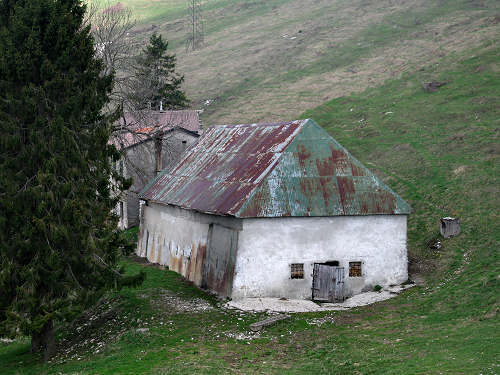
(58, 240)
(157, 80)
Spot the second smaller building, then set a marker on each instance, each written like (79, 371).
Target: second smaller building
(150, 141)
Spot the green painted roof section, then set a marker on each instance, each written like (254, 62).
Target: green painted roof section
(316, 176)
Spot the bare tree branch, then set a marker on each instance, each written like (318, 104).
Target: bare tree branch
(111, 27)
(143, 136)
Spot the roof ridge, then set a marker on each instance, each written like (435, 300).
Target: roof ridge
(255, 182)
(262, 124)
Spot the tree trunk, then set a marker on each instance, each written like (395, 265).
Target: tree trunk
(44, 340)
(36, 342)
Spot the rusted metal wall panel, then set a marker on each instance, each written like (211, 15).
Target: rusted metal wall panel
(220, 259)
(181, 240)
(273, 170)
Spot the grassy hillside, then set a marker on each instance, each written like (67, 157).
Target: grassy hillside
(439, 150)
(273, 59)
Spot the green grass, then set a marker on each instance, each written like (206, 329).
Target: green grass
(440, 152)
(131, 234)
(149, 11)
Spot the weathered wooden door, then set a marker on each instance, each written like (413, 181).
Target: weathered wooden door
(338, 290)
(328, 283)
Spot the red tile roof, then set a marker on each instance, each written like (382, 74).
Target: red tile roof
(137, 127)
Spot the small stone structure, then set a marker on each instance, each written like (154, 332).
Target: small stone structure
(450, 227)
(150, 141)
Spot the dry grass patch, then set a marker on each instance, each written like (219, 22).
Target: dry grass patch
(265, 61)
(274, 100)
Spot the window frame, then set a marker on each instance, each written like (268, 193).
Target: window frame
(297, 271)
(356, 269)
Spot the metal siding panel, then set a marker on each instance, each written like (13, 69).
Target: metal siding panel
(220, 260)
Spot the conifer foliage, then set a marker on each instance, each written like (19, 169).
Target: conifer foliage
(58, 241)
(157, 80)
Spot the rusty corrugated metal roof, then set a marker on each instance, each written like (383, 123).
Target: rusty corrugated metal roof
(272, 170)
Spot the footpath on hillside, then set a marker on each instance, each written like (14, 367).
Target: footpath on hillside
(298, 305)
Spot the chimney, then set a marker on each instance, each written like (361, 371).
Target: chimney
(158, 146)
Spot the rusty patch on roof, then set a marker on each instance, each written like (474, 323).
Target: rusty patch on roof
(218, 174)
(271, 170)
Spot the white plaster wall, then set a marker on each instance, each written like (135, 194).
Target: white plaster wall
(122, 219)
(267, 247)
(173, 146)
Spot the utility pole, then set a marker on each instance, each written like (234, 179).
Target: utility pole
(195, 21)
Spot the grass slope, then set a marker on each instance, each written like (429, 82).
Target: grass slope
(440, 151)
(274, 59)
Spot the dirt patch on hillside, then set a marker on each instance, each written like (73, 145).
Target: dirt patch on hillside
(262, 62)
(92, 331)
(274, 99)
(389, 62)
(171, 303)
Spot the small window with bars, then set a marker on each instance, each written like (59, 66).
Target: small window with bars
(297, 270)
(355, 269)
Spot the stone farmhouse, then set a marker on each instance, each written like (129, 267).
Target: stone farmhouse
(150, 141)
(274, 210)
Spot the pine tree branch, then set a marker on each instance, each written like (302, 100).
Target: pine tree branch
(97, 257)
(74, 277)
